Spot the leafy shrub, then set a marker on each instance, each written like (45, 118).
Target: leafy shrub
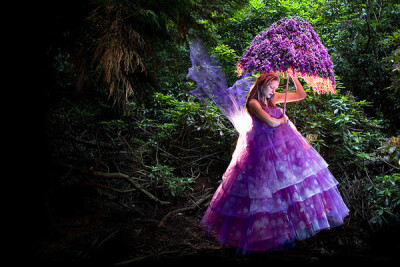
(175, 129)
(339, 128)
(384, 198)
(356, 149)
(392, 149)
(163, 175)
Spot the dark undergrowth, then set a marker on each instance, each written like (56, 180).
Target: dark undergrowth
(132, 189)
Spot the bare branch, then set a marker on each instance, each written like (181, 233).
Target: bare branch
(115, 175)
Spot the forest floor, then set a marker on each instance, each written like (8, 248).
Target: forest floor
(80, 226)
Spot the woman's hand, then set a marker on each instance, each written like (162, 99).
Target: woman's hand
(293, 76)
(291, 73)
(284, 119)
(255, 107)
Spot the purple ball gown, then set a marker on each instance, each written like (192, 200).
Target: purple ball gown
(277, 187)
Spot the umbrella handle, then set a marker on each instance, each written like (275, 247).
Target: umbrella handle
(287, 84)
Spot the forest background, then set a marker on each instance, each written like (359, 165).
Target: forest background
(132, 158)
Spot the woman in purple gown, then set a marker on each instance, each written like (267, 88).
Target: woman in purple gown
(277, 188)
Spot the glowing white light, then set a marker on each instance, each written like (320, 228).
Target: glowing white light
(241, 120)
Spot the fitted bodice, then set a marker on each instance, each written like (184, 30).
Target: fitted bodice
(274, 112)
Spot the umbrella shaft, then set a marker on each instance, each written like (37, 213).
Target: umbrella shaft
(287, 84)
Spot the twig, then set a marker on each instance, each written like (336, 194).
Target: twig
(199, 159)
(88, 143)
(110, 188)
(204, 247)
(194, 206)
(129, 261)
(390, 164)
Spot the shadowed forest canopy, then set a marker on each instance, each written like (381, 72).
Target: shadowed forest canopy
(125, 43)
(132, 156)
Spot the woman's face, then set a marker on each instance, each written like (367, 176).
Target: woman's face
(269, 89)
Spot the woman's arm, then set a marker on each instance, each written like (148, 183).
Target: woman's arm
(255, 107)
(300, 94)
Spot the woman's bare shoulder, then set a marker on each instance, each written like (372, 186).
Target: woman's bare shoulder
(254, 102)
(253, 105)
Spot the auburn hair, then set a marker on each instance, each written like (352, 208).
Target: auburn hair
(256, 91)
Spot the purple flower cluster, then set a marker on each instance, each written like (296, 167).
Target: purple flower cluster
(291, 43)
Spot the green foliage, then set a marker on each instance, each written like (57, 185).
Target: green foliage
(392, 150)
(173, 126)
(339, 128)
(393, 63)
(228, 57)
(163, 175)
(384, 197)
(171, 116)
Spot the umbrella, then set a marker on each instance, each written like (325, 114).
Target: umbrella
(291, 44)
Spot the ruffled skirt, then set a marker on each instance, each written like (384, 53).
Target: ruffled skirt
(276, 189)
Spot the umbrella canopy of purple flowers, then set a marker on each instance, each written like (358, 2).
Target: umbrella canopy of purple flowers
(290, 43)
